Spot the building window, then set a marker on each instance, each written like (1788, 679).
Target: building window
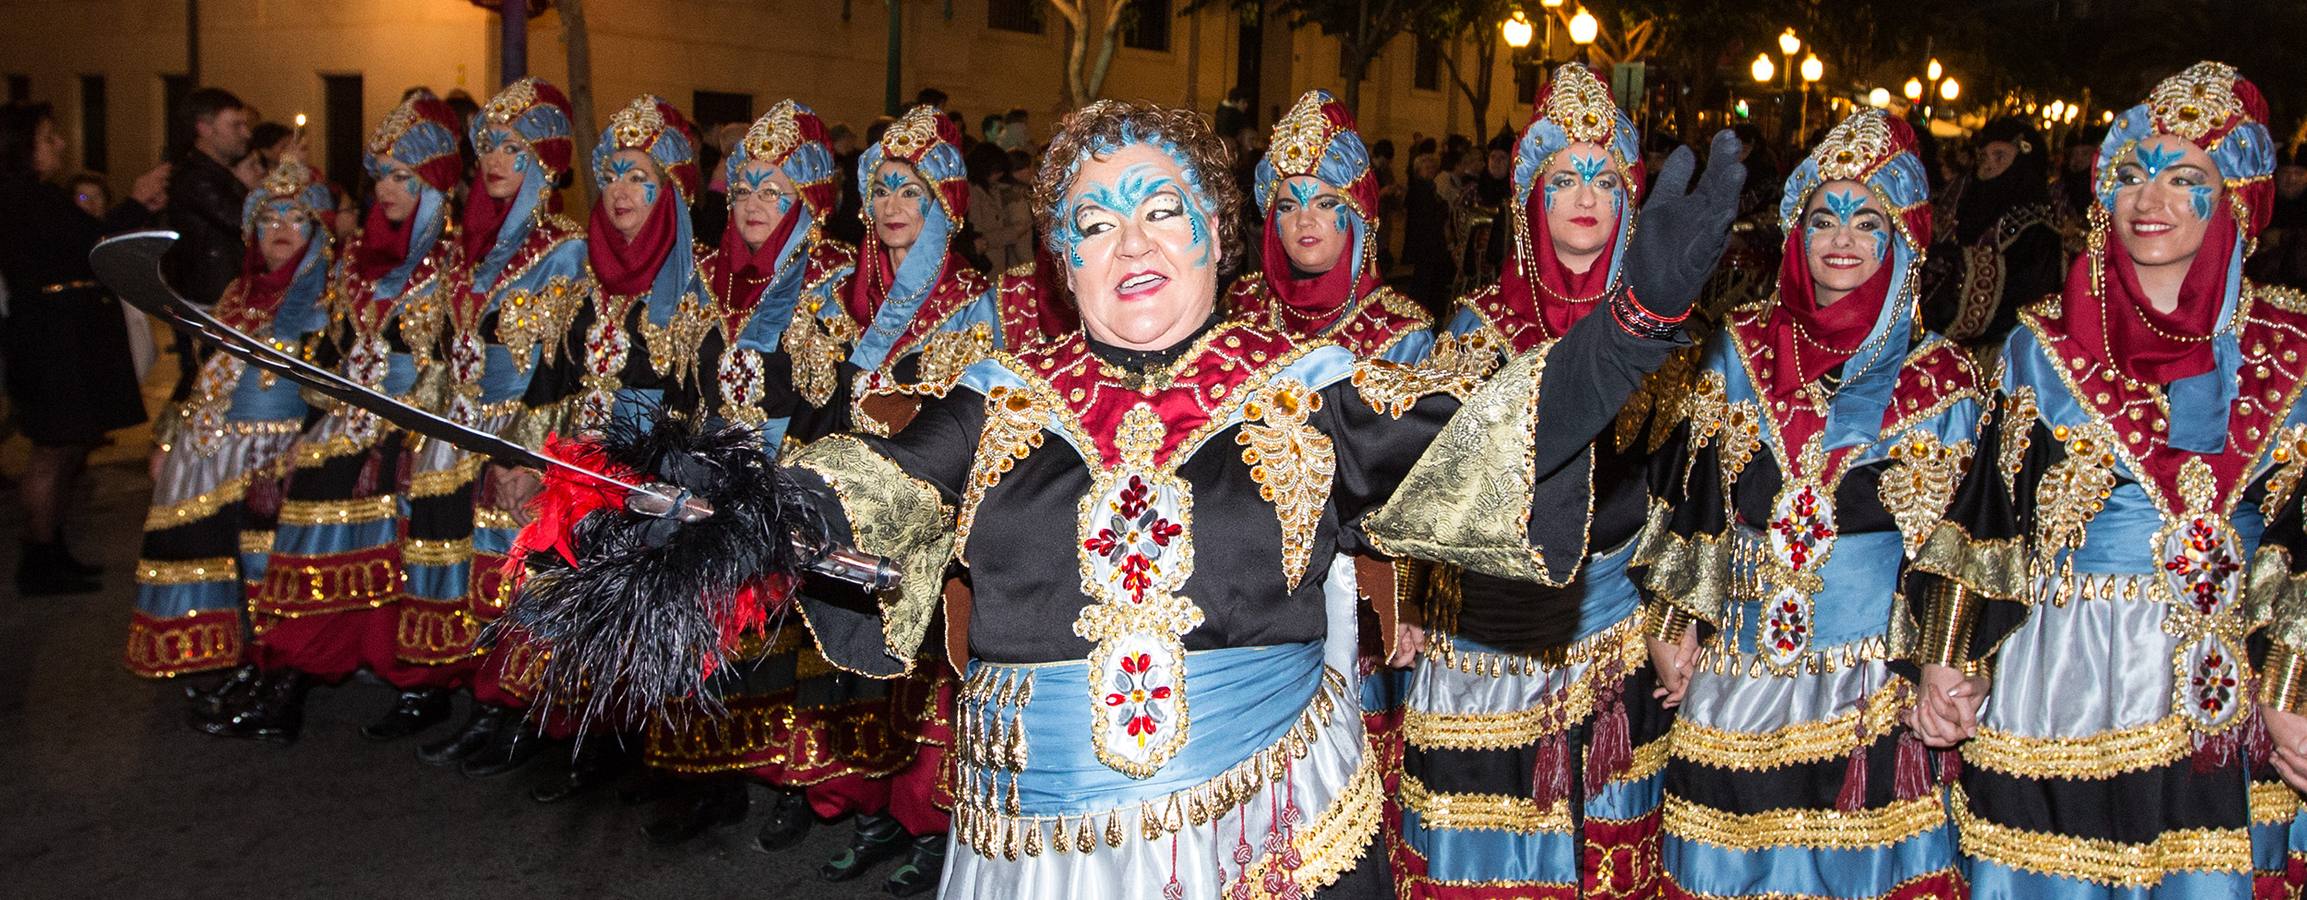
(1525, 82)
(343, 128)
(1014, 15)
(173, 90)
(711, 109)
(1426, 72)
(95, 149)
(1147, 26)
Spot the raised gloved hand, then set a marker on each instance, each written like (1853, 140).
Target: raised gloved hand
(1683, 230)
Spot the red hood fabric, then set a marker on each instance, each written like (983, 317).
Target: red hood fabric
(626, 267)
(1816, 339)
(2120, 328)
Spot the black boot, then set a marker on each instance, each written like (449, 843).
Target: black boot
(479, 732)
(273, 711)
(789, 820)
(711, 803)
(412, 712)
(878, 837)
(46, 570)
(922, 867)
(598, 761)
(212, 700)
(514, 747)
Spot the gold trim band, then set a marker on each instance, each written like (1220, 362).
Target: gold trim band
(1823, 829)
(2096, 757)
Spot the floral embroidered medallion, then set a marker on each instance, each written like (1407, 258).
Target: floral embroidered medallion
(1136, 552)
(1799, 537)
(2200, 560)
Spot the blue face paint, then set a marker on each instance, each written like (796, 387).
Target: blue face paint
(1588, 167)
(1844, 205)
(2156, 159)
(755, 179)
(649, 193)
(2200, 197)
(895, 181)
(1135, 186)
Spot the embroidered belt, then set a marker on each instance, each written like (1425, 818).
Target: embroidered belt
(1606, 598)
(1851, 605)
(1025, 764)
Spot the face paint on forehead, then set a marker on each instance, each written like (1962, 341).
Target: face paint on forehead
(1845, 204)
(2156, 159)
(755, 179)
(895, 181)
(1128, 192)
(1589, 167)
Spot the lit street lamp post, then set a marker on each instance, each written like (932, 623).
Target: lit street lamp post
(1812, 71)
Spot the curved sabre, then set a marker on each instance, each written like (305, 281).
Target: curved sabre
(129, 264)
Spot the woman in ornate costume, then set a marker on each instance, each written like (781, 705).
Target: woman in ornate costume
(786, 720)
(432, 638)
(639, 328)
(1317, 279)
(2133, 506)
(1150, 687)
(497, 335)
(1319, 198)
(916, 315)
(1532, 732)
(503, 337)
(2003, 249)
(221, 454)
(328, 604)
(1823, 442)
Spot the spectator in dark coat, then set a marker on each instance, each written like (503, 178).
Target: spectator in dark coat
(70, 375)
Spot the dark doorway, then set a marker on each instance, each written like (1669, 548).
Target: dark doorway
(344, 129)
(95, 144)
(176, 132)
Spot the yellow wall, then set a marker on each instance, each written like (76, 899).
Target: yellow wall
(273, 52)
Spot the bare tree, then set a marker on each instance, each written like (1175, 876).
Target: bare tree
(1456, 25)
(1087, 21)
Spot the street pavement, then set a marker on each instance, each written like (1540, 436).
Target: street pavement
(104, 791)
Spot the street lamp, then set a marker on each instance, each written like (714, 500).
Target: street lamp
(1517, 30)
(1949, 90)
(1584, 28)
(1913, 90)
(1763, 69)
(1812, 71)
(1934, 70)
(1878, 98)
(1789, 45)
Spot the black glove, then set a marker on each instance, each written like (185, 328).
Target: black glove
(1682, 232)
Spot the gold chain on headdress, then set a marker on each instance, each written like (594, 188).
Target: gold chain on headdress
(509, 103)
(2197, 100)
(637, 125)
(773, 135)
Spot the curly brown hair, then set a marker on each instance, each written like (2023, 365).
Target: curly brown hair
(1109, 125)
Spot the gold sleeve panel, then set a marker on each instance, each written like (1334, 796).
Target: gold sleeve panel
(2275, 597)
(1468, 500)
(1993, 569)
(1690, 575)
(2283, 679)
(897, 517)
(532, 424)
(1950, 614)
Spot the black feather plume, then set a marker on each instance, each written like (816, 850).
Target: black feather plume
(653, 607)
